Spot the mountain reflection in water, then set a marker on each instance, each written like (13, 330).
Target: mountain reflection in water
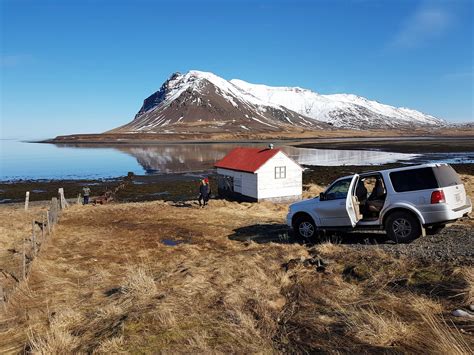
(180, 158)
(19, 160)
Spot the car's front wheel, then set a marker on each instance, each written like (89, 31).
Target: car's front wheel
(402, 227)
(305, 228)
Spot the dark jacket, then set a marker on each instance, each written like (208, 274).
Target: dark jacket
(204, 190)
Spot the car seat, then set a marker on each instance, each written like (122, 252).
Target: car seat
(361, 192)
(376, 199)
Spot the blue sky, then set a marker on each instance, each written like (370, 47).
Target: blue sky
(86, 66)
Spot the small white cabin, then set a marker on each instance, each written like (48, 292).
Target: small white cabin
(254, 174)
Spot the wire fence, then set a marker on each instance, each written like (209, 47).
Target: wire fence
(42, 229)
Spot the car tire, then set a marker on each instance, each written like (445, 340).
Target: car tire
(402, 227)
(305, 228)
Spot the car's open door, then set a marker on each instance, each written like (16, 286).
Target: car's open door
(352, 205)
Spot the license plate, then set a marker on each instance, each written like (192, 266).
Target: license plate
(458, 197)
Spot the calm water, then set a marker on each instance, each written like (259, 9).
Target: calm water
(47, 161)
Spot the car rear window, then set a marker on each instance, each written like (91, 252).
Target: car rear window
(413, 179)
(446, 176)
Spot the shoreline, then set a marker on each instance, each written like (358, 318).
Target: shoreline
(223, 137)
(182, 185)
(141, 142)
(172, 187)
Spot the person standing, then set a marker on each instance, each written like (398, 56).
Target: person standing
(86, 191)
(204, 192)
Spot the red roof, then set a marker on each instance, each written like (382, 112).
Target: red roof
(246, 159)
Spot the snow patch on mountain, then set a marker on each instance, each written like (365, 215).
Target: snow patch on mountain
(194, 81)
(335, 108)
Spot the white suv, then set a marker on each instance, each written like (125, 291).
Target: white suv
(406, 202)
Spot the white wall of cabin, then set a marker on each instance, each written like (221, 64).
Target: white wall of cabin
(269, 187)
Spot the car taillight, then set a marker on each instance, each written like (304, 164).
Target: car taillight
(437, 197)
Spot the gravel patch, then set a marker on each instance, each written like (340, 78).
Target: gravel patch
(453, 245)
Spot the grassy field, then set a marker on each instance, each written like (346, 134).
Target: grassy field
(171, 277)
(15, 230)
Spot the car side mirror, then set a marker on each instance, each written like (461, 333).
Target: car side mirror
(322, 196)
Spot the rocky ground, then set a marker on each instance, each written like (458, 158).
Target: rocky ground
(454, 245)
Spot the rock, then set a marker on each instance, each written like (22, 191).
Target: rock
(356, 272)
(291, 264)
(307, 263)
(462, 313)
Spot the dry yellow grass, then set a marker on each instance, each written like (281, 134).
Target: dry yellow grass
(15, 222)
(16, 232)
(312, 190)
(106, 282)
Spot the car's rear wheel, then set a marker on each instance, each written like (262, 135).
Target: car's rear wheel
(402, 227)
(305, 228)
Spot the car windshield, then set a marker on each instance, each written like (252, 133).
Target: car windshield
(338, 190)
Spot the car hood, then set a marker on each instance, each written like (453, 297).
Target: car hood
(304, 203)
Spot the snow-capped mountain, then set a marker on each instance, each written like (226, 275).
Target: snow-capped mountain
(341, 110)
(203, 102)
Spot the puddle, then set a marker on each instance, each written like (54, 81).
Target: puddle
(172, 242)
(5, 200)
(38, 191)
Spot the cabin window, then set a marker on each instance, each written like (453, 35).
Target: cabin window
(280, 172)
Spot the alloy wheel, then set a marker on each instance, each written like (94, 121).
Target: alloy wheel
(306, 229)
(401, 227)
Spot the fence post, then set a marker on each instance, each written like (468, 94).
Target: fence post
(24, 258)
(79, 199)
(42, 229)
(27, 200)
(49, 222)
(54, 210)
(62, 200)
(33, 237)
(2, 298)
